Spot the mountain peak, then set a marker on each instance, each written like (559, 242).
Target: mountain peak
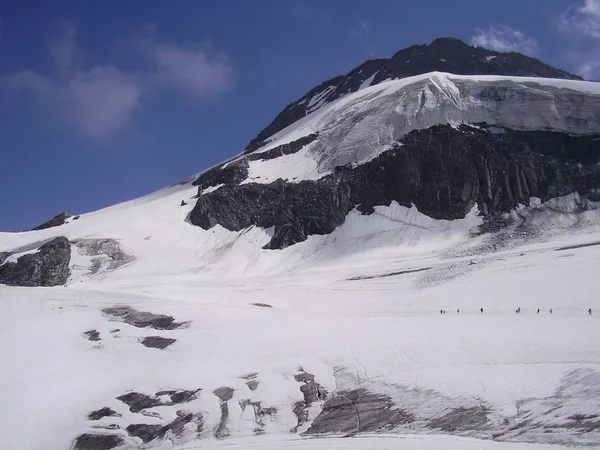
(445, 54)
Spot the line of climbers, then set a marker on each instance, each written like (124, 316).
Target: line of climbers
(518, 311)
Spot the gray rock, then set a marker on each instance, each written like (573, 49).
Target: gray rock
(252, 384)
(259, 413)
(224, 393)
(150, 432)
(56, 221)
(358, 411)
(262, 305)
(101, 413)
(182, 396)
(157, 342)
(146, 432)
(143, 319)
(462, 419)
(107, 252)
(90, 441)
(48, 267)
(137, 401)
(92, 335)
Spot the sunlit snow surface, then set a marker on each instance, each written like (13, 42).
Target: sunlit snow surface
(359, 308)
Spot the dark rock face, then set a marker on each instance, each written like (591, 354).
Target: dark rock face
(54, 222)
(224, 394)
(311, 391)
(143, 319)
(442, 170)
(150, 432)
(137, 402)
(445, 171)
(157, 342)
(178, 397)
(48, 267)
(91, 441)
(295, 210)
(101, 413)
(92, 335)
(442, 55)
(358, 411)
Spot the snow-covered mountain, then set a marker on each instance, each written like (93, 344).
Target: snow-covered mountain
(355, 272)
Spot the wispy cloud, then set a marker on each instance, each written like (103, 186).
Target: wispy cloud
(193, 71)
(503, 38)
(62, 50)
(362, 30)
(100, 101)
(584, 19)
(581, 25)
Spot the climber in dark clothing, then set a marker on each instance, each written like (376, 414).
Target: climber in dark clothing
(518, 311)
(590, 311)
(550, 310)
(481, 310)
(538, 311)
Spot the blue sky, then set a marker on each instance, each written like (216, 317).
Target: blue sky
(101, 102)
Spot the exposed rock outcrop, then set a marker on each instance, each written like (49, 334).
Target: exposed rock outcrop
(143, 319)
(106, 254)
(56, 221)
(444, 170)
(157, 342)
(49, 266)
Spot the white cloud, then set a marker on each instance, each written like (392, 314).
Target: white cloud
(584, 19)
(193, 71)
(503, 38)
(98, 102)
(581, 26)
(102, 100)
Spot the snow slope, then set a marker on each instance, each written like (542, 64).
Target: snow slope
(358, 309)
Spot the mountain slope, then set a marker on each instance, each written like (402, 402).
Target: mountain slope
(357, 276)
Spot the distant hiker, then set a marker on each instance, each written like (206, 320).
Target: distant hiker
(441, 312)
(444, 312)
(550, 310)
(481, 310)
(538, 311)
(518, 311)
(458, 311)
(590, 311)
